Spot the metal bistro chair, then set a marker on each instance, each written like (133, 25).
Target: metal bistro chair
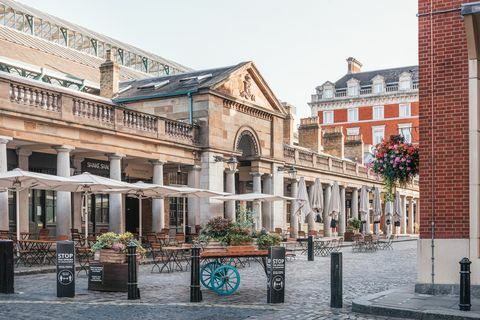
(358, 243)
(159, 258)
(387, 243)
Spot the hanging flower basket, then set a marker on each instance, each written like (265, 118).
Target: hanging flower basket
(396, 161)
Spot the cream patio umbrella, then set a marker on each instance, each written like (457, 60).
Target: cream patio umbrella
(316, 199)
(334, 206)
(397, 212)
(303, 202)
(377, 211)
(90, 183)
(18, 180)
(364, 209)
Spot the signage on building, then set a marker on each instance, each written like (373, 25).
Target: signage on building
(276, 275)
(97, 167)
(65, 269)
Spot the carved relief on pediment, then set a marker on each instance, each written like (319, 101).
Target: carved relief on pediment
(247, 88)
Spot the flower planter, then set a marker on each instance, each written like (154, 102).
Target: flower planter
(112, 277)
(112, 256)
(349, 235)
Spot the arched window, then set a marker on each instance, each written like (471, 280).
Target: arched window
(247, 144)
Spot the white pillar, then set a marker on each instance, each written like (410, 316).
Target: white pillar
(158, 213)
(403, 219)
(327, 231)
(342, 216)
(410, 216)
(115, 209)
(63, 209)
(278, 187)
(211, 178)
(194, 203)
(23, 155)
(257, 207)
(230, 188)
(355, 203)
(267, 206)
(293, 215)
(77, 198)
(4, 219)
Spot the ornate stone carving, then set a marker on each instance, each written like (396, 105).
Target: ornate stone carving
(247, 88)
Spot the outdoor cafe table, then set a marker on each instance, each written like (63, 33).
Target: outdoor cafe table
(173, 259)
(35, 251)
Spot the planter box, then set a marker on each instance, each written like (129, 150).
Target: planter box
(349, 235)
(112, 256)
(111, 277)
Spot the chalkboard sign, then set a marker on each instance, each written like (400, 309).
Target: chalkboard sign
(276, 275)
(96, 273)
(65, 269)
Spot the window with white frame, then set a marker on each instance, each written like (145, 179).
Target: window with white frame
(327, 117)
(405, 110)
(378, 87)
(327, 93)
(353, 90)
(405, 130)
(353, 131)
(378, 134)
(378, 112)
(405, 81)
(353, 115)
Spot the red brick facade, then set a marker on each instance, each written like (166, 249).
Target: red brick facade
(365, 116)
(444, 171)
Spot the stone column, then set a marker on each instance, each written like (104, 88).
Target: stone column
(278, 188)
(211, 178)
(230, 188)
(63, 209)
(4, 219)
(158, 212)
(23, 155)
(327, 232)
(78, 198)
(194, 203)
(403, 219)
(417, 215)
(410, 222)
(342, 216)
(115, 209)
(355, 203)
(267, 206)
(293, 207)
(257, 208)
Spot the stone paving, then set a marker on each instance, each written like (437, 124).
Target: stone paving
(167, 295)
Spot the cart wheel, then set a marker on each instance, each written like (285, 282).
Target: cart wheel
(225, 280)
(206, 273)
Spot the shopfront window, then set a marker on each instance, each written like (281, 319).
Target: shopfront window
(11, 208)
(101, 208)
(176, 213)
(50, 198)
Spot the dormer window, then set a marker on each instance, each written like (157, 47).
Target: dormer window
(378, 85)
(405, 81)
(327, 93)
(353, 90)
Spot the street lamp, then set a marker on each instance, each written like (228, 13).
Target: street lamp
(232, 163)
(292, 172)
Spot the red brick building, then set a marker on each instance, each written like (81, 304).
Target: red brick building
(372, 105)
(449, 42)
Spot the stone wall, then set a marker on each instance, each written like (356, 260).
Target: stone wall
(310, 134)
(333, 141)
(354, 148)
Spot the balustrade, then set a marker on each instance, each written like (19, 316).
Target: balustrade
(179, 129)
(92, 110)
(139, 121)
(34, 97)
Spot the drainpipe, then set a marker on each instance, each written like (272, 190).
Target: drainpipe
(190, 107)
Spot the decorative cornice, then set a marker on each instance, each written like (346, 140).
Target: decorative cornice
(364, 101)
(247, 109)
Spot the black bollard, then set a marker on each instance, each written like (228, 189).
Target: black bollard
(336, 282)
(6, 266)
(465, 304)
(132, 285)
(310, 248)
(195, 292)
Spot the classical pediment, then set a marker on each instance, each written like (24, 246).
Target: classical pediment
(245, 84)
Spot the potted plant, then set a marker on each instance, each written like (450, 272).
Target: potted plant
(352, 229)
(266, 239)
(112, 247)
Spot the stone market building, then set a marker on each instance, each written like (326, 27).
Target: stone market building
(67, 106)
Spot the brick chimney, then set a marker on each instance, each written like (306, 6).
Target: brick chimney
(288, 123)
(354, 66)
(310, 134)
(109, 72)
(354, 148)
(333, 141)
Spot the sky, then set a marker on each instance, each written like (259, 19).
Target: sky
(296, 44)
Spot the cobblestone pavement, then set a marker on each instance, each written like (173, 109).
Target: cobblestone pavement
(167, 295)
